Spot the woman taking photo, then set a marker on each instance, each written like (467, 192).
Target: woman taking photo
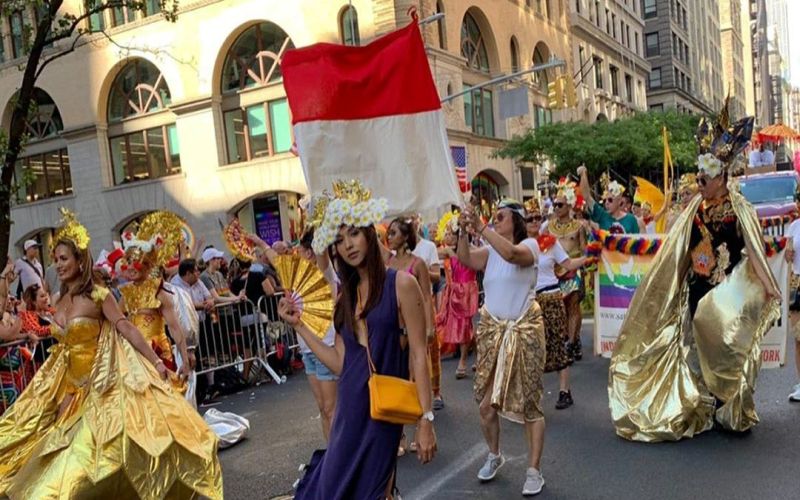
(37, 319)
(510, 336)
(373, 308)
(551, 300)
(82, 413)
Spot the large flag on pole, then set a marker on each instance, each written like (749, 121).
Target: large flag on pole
(372, 113)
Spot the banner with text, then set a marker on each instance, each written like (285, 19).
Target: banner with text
(617, 277)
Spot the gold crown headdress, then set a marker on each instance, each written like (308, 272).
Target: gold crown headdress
(72, 230)
(448, 221)
(351, 204)
(157, 239)
(687, 182)
(532, 206)
(720, 143)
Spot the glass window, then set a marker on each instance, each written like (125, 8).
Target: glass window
(257, 130)
(488, 113)
(479, 112)
(651, 45)
(151, 7)
(254, 59)
(41, 176)
(540, 78)
(96, 21)
(17, 25)
(472, 45)
(440, 26)
(526, 173)
(614, 80)
(348, 26)
(598, 72)
(649, 8)
(234, 136)
(629, 88)
(514, 56)
(655, 79)
(138, 89)
(122, 15)
(44, 119)
(280, 126)
(468, 109)
(148, 154)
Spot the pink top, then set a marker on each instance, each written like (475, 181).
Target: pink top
(461, 273)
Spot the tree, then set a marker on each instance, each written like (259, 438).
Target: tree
(628, 146)
(46, 31)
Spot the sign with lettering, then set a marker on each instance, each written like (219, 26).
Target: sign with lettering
(617, 277)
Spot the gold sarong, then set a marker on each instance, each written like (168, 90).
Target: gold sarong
(667, 368)
(513, 353)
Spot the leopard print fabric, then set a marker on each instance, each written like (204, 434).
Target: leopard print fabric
(555, 331)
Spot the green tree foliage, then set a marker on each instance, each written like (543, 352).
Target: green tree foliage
(628, 146)
(51, 29)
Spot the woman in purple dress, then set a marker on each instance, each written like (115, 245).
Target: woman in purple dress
(382, 307)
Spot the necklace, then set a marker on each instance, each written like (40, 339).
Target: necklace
(562, 229)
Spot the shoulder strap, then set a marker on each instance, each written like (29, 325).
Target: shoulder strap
(33, 267)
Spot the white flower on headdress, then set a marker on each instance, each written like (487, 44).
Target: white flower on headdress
(570, 197)
(615, 188)
(343, 212)
(709, 164)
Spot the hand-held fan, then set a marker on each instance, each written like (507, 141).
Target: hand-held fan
(310, 291)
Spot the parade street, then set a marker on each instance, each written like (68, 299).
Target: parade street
(583, 458)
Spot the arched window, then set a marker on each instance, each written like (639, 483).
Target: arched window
(540, 78)
(42, 171)
(485, 188)
(143, 138)
(514, 55)
(473, 47)
(348, 26)
(440, 26)
(254, 107)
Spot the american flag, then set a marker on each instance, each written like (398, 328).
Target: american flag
(459, 154)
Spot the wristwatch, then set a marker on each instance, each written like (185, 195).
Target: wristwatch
(428, 415)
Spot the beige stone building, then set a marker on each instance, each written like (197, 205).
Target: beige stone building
(610, 68)
(733, 54)
(191, 116)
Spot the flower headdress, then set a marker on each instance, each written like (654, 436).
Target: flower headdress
(721, 143)
(566, 188)
(351, 204)
(448, 221)
(72, 230)
(611, 188)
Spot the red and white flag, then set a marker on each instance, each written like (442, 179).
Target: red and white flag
(372, 113)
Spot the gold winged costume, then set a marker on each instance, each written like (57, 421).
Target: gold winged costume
(124, 434)
(675, 370)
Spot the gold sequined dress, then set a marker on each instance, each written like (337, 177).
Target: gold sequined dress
(125, 434)
(140, 303)
(688, 352)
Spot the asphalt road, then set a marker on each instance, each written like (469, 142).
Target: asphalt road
(583, 458)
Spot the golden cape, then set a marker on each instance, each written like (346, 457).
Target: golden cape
(126, 433)
(666, 368)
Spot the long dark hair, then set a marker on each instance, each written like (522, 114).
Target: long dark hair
(407, 229)
(344, 314)
(520, 232)
(85, 270)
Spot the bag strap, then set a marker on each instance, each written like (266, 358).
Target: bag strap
(371, 365)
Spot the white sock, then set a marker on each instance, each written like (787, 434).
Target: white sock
(493, 456)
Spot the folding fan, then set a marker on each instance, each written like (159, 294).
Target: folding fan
(309, 290)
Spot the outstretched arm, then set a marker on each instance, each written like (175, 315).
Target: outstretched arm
(332, 357)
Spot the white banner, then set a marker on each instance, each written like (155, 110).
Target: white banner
(617, 277)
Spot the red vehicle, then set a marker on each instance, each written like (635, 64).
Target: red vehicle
(772, 195)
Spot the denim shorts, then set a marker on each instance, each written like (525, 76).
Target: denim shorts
(316, 368)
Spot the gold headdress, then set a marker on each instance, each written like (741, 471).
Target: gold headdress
(566, 189)
(687, 182)
(351, 204)
(72, 230)
(448, 221)
(532, 206)
(157, 239)
(611, 188)
(721, 143)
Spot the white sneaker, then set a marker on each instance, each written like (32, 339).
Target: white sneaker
(490, 467)
(534, 482)
(795, 395)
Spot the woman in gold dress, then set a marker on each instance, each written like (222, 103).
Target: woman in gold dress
(99, 419)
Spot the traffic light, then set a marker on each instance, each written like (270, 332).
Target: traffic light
(555, 94)
(572, 96)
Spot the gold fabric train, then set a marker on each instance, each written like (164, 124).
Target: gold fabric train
(126, 433)
(665, 368)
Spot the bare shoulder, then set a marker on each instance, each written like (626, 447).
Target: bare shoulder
(406, 284)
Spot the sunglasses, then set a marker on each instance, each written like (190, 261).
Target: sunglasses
(533, 218)
(702, 181)
(499, 217)
(558, 204)
(609, 200)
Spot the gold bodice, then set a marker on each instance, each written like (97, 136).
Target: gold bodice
(79, 338)
(140, 295)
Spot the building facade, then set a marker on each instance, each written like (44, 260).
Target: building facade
(733, 55)
(192, 117)
(762, 82)
(610, 68)
(682, 44)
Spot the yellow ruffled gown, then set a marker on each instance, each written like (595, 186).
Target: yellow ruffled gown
(126, 433)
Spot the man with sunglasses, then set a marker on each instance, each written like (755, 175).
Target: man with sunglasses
(688, 352)
(611, 215)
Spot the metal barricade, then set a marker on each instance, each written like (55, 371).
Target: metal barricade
(280, 339)
(18, 365)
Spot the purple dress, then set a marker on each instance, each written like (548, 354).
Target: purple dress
(362, 452)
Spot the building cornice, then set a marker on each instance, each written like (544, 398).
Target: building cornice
(82, 132)
(194, 105)
(472, 139)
